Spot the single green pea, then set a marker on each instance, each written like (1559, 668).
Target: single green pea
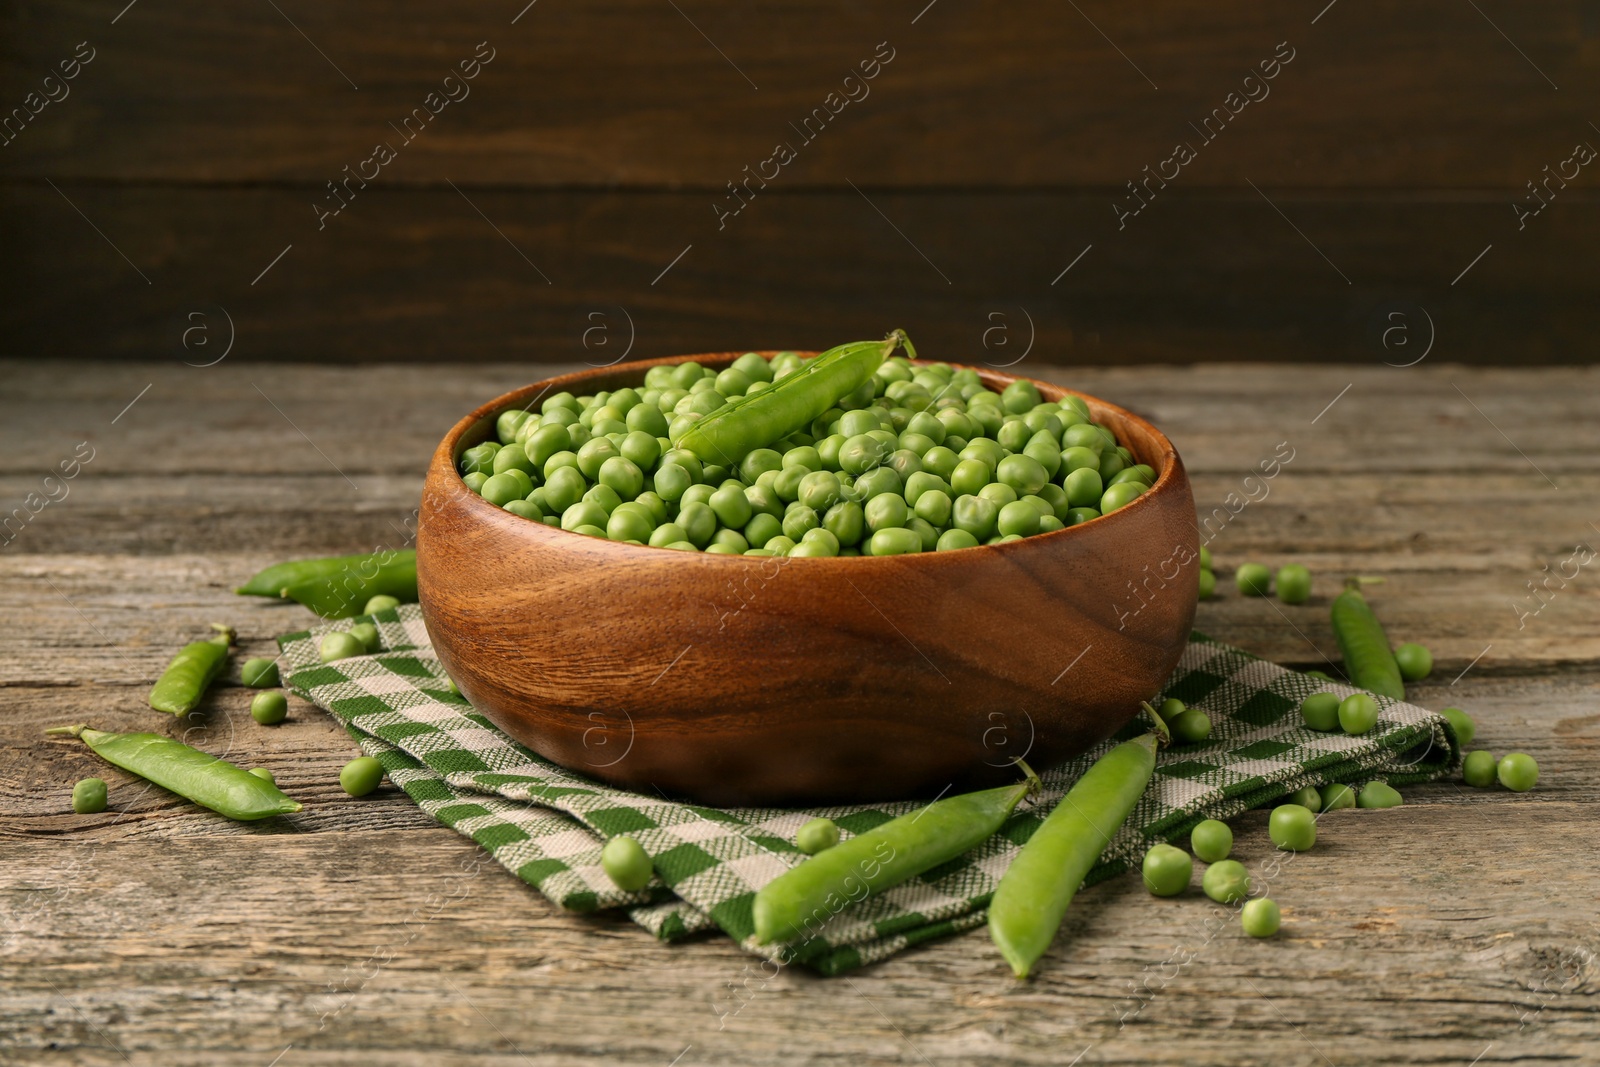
(269, 708)
(479, 459)
(1018, 517)
(1260, 917)
(1205, 558)
(1462, 723)
(1479, 768)
(699, 523)
(262, 673)
(626, 863)
(381, 602)
(629, 526)
(89, 796)
(264, 774)
(584, 513)
(1307, 797)
(1321, 675)
(818, 835)
(1084, 488)
(1211, 840)
(975, 515)
(1358, 713)
(970, 476)
(640, 448)
(762, 528)
(820, 490)
(1023, 473)
(1112, 463)
(885, 512)
(1321, 711)
(502, 489)
(800, 520)
(564, 487)
(1226, 882)
(1191, 727)
(1337, 796)
(1208, 585)
(509, 458)
(361, 776)
(1292, 827)
(1415, 661)
(593, 455)
(1171, 708)
(666, 534)
(1079, 458)
(1078, 515)
(1294, 583)
(339, 645)
(940, 461)
(475, 480)
(1378, 795)
(846, 522)
(1167, 870)
(367, 634)
(731, 506)
(1253, 579)
(698, 494)
(1517, 771)
(955, 538)
(894, 541)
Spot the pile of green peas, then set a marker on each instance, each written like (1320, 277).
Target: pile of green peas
(919, 458)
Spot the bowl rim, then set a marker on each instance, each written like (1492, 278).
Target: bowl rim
(444, 462)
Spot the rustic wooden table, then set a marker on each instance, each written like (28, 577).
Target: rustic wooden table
(1461, 928)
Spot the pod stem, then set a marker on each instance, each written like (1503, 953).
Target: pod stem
(68, 731)
(227, 632)
(1035, 785)
(1158, 725)
(1354, 583)
(897, 337)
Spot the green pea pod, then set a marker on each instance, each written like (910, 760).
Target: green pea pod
(1036, 889)
(1368, 659)
(732, 431)
(346, 591)
(804, 897)
(273, 580)
(191, 672)
(188, 772)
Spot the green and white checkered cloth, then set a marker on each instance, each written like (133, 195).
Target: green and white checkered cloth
(546, 824)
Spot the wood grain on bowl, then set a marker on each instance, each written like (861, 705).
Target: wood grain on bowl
(750, 680)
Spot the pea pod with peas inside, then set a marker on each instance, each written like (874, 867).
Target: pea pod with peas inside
(188, 772)
(733, 431)
(1037, 888)
(804, 897)
(183, 684)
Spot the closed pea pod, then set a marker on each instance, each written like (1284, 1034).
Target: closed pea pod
(191, 672)
(1367, 659)
(188, 772)
(803, 897)
(1034, 893)
(343, 593)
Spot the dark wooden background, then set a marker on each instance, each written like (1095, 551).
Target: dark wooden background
(987, 157)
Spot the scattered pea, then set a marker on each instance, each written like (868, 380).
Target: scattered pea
(1167, 870)
(1294, 583)
(1226, 882)
(1292, 827)
(89, 796)
(1253, 579)
(1358, 713)
(816, 836)
(1208, 585)
(259, 673)
(381, 602)
(1321, 711)
(1260, 917)
(1205, 558)
(1479, 768)
(367, 634)
(361, 776)
(1191, 727)
(1307, 797)
(626, 863)
(269, 708)
(1211, 840)
(1171, 708)
(1517, 771)
(1337, 796)
(1378, 795)
(1462, 723)
(339, 645)
(1415, 661)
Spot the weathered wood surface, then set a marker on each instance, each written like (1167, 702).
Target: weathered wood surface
(1462, 925)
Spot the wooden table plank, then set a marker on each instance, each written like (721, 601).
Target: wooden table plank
(1463, 925)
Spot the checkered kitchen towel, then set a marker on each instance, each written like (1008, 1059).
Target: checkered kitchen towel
(546, 824)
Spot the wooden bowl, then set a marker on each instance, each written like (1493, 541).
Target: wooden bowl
(778, 681)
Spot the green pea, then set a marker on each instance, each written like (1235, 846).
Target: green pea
(1167, 870)
(1307, 797)
(339, 645)
(1171, 708)
(1517, 771)
(861, 453)
(1208, 585)
(820, 490)
(479, 459)
(690, 546)
(501, 489)
(89, 796)
(787, 483)
(894, 541)
(1111, 464)
(1023, 473)
(1019, 397)
(1294, 584)
(798, 520)
(1337, 796)
(1084, 488)
(564, 487)
(367, 634)
(264, 774)
(653, 505)
(1414, 660)
(1462, 724)
(584, 513)
(886, 512)
(934, 508)
(1292, 827)
(1378, 795)
(1081, 515)
(1018, 517)
(1479, 768)
(828, 450)
(1205, 558)
(525, 509)
(762, 528)
(1226, 882)
(666, 534)
(846, 522)
(1321, 711)
(593, 455)
(361, 776)
(648, 419)
(623, 476)
(940, 461)
(999, 492)
(1080, 458)
(1191, 727)
(381, 602)
(879, 481)
(1211, 840)
(805, 456)
(969, 477)
(818, 835)
(629, 526)
(729, 539)
(758, 462)
(1120, 495)
(1260, 917)
(1014, 434)
(262, 673)
(510, 458)
(953, 539)
(1358, 713)
(699, 522)
(545, 442)
(698, 494)
(731, 506)
(640, 448)
(269, 708)
(626, 863)
(1253, 579)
